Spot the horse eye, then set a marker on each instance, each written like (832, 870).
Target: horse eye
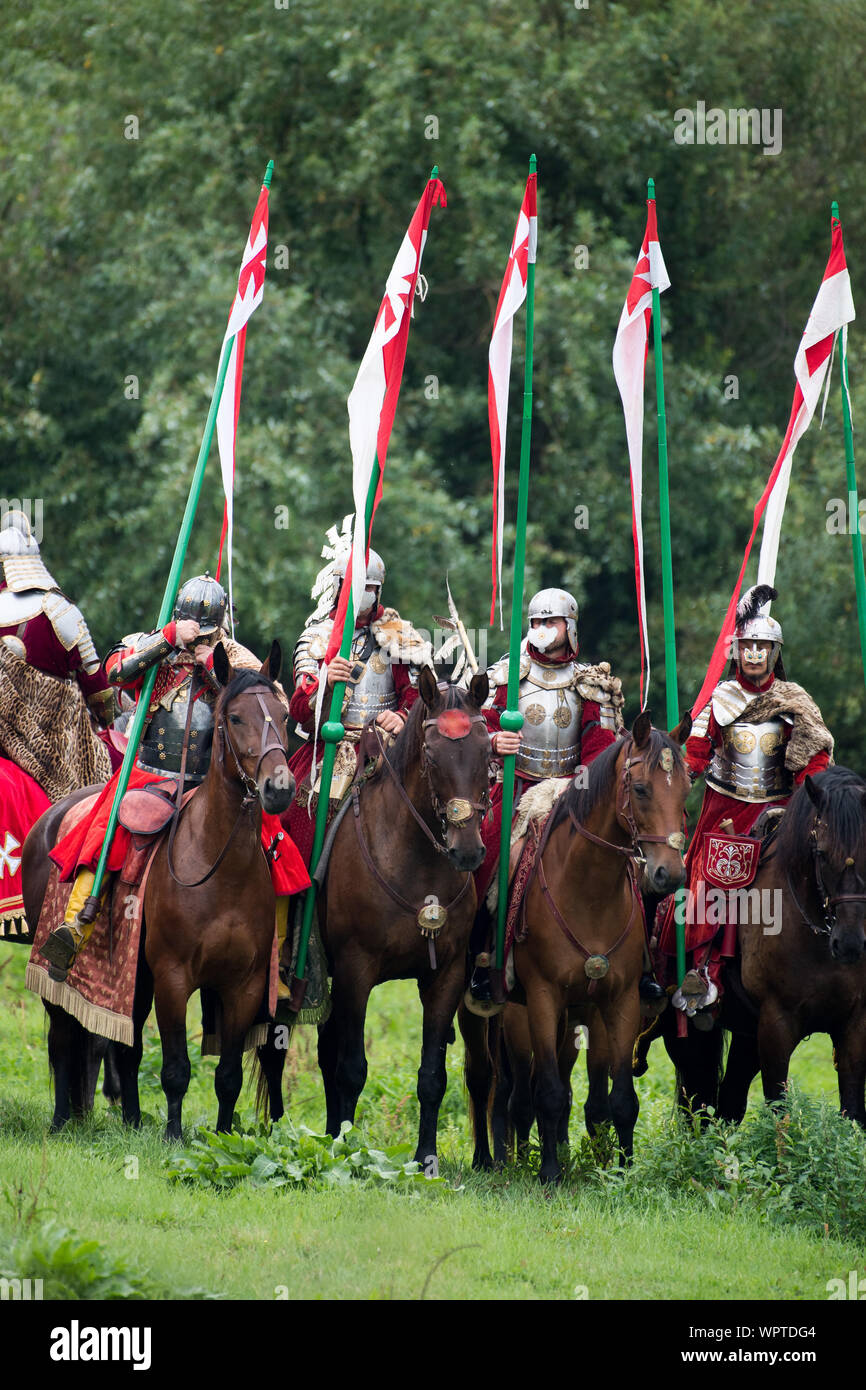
(235, 719)
(641, 788)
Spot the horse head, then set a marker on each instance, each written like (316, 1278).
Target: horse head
(837, 847)
(454, 752)
(653, 788)
(252, 721)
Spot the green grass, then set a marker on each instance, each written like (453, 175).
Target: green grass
(674, 1227)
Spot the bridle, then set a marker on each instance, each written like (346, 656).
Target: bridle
(676, 839)
(457, 810)
(270, 743)
(828, 901)
(597, 965)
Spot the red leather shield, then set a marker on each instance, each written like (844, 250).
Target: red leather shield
(729, 861)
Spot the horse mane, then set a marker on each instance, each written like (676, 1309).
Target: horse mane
(405, 749)
(583, 800)
(843, 813)
(241, 681)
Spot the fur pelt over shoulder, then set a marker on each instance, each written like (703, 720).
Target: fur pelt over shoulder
(809, 734)
(400, 641)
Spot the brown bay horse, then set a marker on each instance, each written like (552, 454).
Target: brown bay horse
(209, 905)
(802, 960)
(406, 848)
(582, 957)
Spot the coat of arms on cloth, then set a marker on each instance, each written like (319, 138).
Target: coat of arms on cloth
(729, 861)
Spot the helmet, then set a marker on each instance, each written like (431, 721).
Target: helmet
(754, 622)
(555, 603)
(203, 600)
(16, 537)
(375, 567)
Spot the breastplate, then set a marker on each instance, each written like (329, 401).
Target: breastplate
(550, 737)
(374, 692)
(162, 745)
(750, 765)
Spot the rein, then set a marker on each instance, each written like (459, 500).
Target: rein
(596, 966)
(270, 744)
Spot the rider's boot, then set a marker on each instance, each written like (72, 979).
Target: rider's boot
(283, 991)
(63, 945)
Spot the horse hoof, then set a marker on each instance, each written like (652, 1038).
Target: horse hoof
(551, 1177)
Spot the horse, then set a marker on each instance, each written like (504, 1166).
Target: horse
(584, 948)
(399, 899)
(209, 907)
(801, 967)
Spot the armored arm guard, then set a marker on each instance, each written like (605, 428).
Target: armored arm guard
(129, 661)
(596, 683)
(71, 630)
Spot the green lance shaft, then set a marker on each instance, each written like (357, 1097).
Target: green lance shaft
(168, 600)
(853, 505)
(511, 719)
(672, 699)
(332, 731)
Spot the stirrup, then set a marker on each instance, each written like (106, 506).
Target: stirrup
(60, 949)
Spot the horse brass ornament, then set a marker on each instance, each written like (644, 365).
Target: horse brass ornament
(458, 810)
(432, 918)
(596, 967)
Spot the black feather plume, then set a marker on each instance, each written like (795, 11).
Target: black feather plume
(753, 600)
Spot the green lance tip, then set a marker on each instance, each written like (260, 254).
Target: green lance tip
(834, 210)
(532, 164)
(269, 174)
(434, 172)
(651, 190)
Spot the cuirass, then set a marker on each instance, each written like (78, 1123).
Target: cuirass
(374, 692)
(750, 765)
(551, 709)
(162, 745)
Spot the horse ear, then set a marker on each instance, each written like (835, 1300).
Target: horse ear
(428, 688)
(641, 729)
(814, 793)
(221, 665)
(683, 729)
(274, 664)
(479, 688)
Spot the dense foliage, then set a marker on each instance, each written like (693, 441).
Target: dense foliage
(119, 258)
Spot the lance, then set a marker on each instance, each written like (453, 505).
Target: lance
(672, 699)
(511, 720)
(165, 612)
(853, 504)
(332, 730)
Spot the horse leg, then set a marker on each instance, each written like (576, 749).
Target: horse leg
(568, 1050)
(172, 996)
(128, 1059)
(344, 1041)
(742, 1067)
(61, 1062)
(327, 1053)
(850, 1045)
(545, 1005)
(439, 1000)
(478, 1075)
(596, 1110)
(518, 1052)
(271, 1059)
(228, 1079)
(622, 1029)
(776, 1041)
(501, 1123)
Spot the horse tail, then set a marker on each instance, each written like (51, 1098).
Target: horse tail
(263, 1098)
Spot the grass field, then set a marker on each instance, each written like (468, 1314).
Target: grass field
(95, 1212)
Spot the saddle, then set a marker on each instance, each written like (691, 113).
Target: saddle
(146, 813)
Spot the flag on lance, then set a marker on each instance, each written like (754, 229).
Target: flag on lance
(373, 398)
(629, 368)
(511, 297)
(251, 288)
(832, 311)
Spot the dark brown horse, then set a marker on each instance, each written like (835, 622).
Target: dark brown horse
(802, 962)
(582, 957)
(403, 853)
(209, 913)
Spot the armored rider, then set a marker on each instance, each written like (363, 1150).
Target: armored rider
(52, 682)
(571, 712)
(758, 737)
(184, 650)
(381, 679)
